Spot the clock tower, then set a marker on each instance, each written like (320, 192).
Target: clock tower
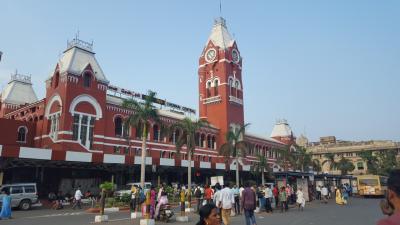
(220, 81)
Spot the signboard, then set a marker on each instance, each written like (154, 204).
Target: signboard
(161, 102)
(217, 179)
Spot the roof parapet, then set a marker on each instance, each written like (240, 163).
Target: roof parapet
(21, 78)
(76, 42)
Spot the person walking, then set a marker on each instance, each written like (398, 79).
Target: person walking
(248, 204)
(345, 195)
(268, 198)
(198, 196)
(134, 194)
(275, 192)
(338, 197)
(77, 198)
(6, 205)
(209, 215)
(217, 196)
(318, 189)
(208, 192)
(324, 193)
(152, 201)
(392, 200)
(301, 202)
(261, 198)
(236, 195)
(225, 201)
(282, 199)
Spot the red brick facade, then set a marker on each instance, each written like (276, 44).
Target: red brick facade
(77, 119)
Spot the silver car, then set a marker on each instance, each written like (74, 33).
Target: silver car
(23, 195)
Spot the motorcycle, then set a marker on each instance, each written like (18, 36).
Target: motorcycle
(165, 213)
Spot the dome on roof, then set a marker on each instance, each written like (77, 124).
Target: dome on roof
(302, 140)
(19, 90)
(281, 129)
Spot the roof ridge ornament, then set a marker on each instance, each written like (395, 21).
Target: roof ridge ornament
(21, 78)
(76, 42)
(220, 21)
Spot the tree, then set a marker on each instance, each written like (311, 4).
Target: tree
(188, 137)
(371, 160)
(105, 188)
(345, 166)
(330, 158)
(285, 159)
(260, 166)
(142, 114)
(301, 159)
(235, 147)
(387, 161)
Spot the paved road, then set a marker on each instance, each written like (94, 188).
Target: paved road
(359, 212)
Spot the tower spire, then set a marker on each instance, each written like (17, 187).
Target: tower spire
(220, 8)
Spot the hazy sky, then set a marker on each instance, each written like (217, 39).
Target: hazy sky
(328, 67)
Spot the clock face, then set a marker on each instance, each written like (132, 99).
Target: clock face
(210, 55)
(235, 56)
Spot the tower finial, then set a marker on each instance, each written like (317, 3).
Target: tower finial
(220, 8)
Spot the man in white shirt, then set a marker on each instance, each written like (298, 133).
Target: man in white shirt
(225, 202)
(268, 197)
(78, 198)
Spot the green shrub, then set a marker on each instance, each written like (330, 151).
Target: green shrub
(125, 198)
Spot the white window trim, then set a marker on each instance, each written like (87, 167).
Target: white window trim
(26, 134)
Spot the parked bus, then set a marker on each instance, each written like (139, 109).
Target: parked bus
(372, 185)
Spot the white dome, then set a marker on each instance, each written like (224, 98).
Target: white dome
(281, 129)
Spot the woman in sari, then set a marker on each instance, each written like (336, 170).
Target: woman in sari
(6, 205)
(339, 199)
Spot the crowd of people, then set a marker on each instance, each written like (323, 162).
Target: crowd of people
(223, 201)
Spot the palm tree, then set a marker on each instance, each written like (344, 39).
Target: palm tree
(330, 158)
(301, 159)
(143, 113)
(371, 160)
(105, 188)
(345, 166)
(285, 159)
(235, 147)
(260, 166)
(188, 137)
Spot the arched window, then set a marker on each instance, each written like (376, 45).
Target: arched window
(208, 89)
(21, 135)
(202, 139)
(214, 145)
(237, 88)
(156, 133)
(87, 79)
(118, 126)
(230, 86)
(82, 129)
(216, 87)
(139, 129)
(197, 138)
(209, 142)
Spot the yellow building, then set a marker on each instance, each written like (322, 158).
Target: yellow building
(348, 149)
